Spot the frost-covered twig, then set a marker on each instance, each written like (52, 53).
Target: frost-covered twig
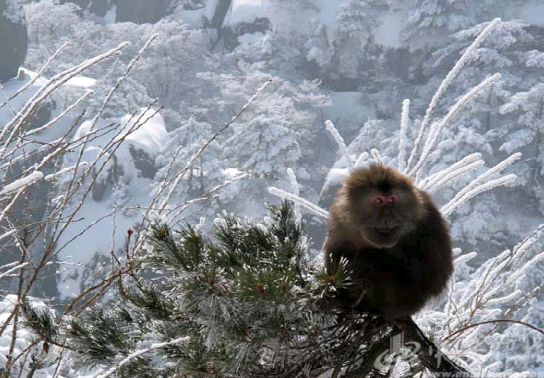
(434, 133)
(8, 234)
(301, 201)
(60, 172)
(21, 183)
(296, 191)
(404, 123)
(205, 196)
(361, 159)
(431, 180)
(126, 360)
(60, 116)
(478, 185)
(376, 156)
(56, 81)
(495, 321)
(452, 205)
(445, 84)
(120, 80)
(340, 142)
(38, 74)
(433, 187)
(191, 161)
(9, 271)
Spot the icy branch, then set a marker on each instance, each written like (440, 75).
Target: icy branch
(446, 83)
(452, 205)
(376, 156)
(301, 201)
(54, 176)
(38, 74)
(296, 191)
(361, 159)
(449, 207)
(190, 163)
(138, 353)
(454, 174)
(434, 133)
(56, 81)
(438, 176)
(7, 272)
(22, 183)
(340, 142)
(61, 115)
(404, 122)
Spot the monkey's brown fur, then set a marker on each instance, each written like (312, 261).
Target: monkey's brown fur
(399, 254)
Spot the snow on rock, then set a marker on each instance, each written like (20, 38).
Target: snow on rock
(12, 86)
(245, 11)
(250, 38)
(119, 196)
(151, 136)
(47, 109)
(111, 15)
(194, 18)
(81, 81)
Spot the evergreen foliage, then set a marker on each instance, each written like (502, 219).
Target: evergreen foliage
(243, 303)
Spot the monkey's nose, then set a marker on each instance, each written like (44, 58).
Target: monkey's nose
(385, 200)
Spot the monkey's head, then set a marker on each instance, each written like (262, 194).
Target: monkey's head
(383, 204)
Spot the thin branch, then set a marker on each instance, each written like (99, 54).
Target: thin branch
(180, 340)
(494, 322)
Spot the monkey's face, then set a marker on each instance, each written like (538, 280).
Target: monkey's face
(385, 216)
(383, 207)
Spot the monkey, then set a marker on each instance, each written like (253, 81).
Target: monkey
(394, 240)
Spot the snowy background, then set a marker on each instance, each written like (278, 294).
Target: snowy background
(349, 61)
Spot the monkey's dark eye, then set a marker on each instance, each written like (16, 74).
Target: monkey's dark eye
(378, 200)
(392, 198)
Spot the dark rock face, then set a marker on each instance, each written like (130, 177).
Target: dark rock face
(142, 11)
(13, 38)
(98, 7)
(137, 11)
(231, 33)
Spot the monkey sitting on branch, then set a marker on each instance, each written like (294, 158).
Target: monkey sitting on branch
(395, 241)
(398, 252)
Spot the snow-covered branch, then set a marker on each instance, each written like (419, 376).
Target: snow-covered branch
(126, 360)
(454, 72)
(301, 201)
(340, 142)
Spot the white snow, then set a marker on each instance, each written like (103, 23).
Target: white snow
(22, 183)
(245, 11)
(194, 18)
(14, 85)
(152, 136)
(232, 173)
(123, 201)
(81, 81)
(111, 15)
(250, 38)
